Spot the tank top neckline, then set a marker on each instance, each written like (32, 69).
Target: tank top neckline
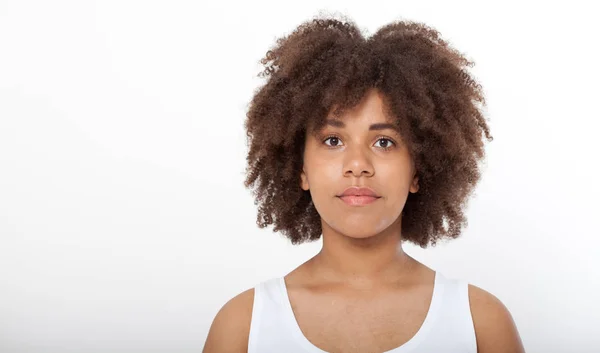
(430, 318)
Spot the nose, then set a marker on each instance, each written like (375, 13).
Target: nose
(357, 162)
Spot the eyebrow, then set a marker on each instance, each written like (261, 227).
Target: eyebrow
(377, 126)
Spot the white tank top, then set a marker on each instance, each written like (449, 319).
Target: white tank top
(448, 326)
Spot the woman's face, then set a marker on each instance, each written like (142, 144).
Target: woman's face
(356, 150)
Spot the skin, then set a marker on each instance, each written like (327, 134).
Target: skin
(361, 292)
(361, 245)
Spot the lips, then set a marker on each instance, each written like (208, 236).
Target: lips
(358, 191)
(358, 200)
(358, 196)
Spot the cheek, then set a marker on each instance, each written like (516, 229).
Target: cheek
(330, 171)
(396, 174)
(324, 173)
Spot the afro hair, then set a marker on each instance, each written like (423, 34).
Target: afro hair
(326, 62)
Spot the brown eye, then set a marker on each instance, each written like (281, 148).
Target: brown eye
(386, 145)
(332, 138)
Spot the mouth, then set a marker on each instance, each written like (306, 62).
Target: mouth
(355, 200)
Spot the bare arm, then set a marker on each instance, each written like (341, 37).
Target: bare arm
(231, 326)
(495, 328)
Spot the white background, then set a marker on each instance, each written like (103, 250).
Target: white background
(124, 223)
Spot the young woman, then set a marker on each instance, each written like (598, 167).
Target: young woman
(367, 143)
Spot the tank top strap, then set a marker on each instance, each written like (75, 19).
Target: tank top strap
(455, 317)
(266, 326)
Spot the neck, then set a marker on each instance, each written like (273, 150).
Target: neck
(362, 261)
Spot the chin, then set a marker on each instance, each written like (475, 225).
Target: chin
(361, 228)
(359, 232)
(359, 235)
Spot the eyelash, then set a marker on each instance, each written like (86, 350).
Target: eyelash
(378, 139)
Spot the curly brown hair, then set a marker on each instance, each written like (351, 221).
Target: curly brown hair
(326, 62)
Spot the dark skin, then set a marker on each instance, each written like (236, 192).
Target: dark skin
(361, 281)
(361, 245)
(361, 292)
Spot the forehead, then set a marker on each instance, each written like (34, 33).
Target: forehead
(369, 112)
(374, 125)
(372, 106)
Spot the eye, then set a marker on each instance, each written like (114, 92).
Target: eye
(387, 145)
(333, 138)
(336, 140)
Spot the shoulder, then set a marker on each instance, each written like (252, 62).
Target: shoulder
(231, 326)
(495, 329)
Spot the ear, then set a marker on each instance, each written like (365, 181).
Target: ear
(414, 187)
(304, 180)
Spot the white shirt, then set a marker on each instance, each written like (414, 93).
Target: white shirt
(448, 326)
